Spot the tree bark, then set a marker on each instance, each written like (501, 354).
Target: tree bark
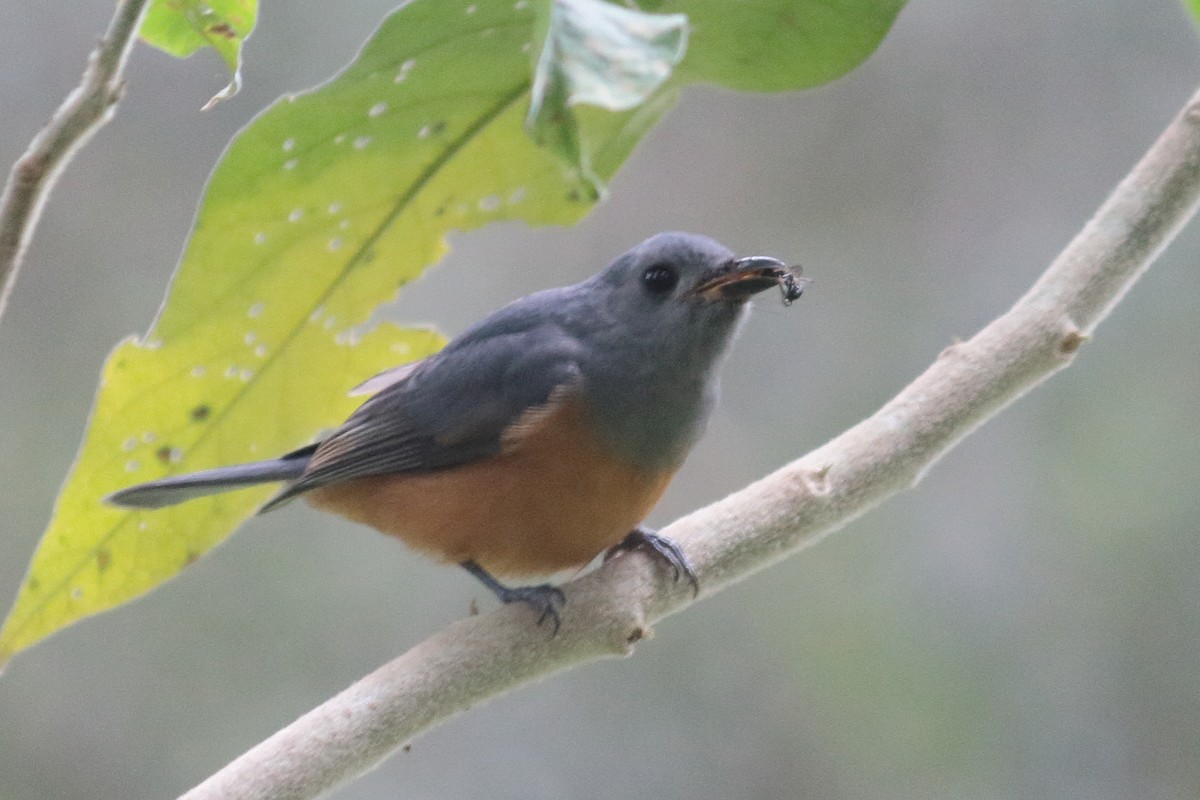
(82, 113)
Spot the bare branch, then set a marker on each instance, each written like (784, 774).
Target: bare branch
(86, 109)
(482, 657)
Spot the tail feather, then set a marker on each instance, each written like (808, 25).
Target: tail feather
(178, 488)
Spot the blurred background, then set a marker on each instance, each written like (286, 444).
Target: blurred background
(1026, 623)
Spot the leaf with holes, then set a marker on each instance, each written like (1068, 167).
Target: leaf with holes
(181, 27)
(320, 210)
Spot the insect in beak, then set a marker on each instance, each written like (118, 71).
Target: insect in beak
(744, 277)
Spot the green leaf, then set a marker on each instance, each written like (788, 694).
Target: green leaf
(602, 55)
(181, 27)
(778, 45)
(320, 210)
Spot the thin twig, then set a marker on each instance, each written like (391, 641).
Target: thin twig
(82, 113)
(607, 611)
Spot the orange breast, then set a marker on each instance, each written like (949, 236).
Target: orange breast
(552, 501)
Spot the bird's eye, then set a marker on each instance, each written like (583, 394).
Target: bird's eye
(660, 279)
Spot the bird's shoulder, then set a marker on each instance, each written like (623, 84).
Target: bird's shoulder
(476, 397)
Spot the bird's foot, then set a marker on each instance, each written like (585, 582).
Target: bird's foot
(644, 538)
(544, 598)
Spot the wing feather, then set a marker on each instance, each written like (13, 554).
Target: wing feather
(474, 399)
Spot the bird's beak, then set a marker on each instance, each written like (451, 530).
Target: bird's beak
(738, 280)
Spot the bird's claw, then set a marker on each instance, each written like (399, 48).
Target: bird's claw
(546, 599)
(664, 548)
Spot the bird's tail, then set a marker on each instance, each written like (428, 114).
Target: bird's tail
(178, 488)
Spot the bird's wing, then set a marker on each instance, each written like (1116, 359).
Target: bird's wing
(474, 399)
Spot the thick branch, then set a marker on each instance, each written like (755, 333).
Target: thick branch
(610, 609)
(85, 110)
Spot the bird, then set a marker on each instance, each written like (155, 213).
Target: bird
(540, 437)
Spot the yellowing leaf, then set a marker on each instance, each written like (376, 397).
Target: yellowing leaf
(155, 415)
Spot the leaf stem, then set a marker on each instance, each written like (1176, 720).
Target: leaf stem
(82, 113)
(608, 610)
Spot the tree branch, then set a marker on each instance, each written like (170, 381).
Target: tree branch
(608, 610)
(82, 113)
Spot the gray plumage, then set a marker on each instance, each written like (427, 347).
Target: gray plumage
(642, 360)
